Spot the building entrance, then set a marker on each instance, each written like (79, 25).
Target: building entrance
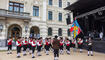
(35, 32)
(14, 31)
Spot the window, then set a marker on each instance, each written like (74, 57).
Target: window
(60, 16)
(60, 3)
(50, 31)
(21, 9)
(50, 2)
(16, 7)
(68, 32)
(68, 19)
(50, 15)
(35, 11)
(11, 6)
(59, 32)
(68, 3)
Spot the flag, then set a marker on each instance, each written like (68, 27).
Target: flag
(75, 29)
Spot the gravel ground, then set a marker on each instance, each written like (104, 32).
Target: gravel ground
(73, 56)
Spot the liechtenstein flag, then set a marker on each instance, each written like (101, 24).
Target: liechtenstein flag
(75, 29)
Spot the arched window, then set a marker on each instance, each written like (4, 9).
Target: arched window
(49, 31)
(59, 32)
(68, 32)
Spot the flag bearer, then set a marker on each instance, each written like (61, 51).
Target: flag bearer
(9, 41)
(33, 47)
(80, 44)
(18, 44)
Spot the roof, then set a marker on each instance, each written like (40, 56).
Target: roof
(86, 5)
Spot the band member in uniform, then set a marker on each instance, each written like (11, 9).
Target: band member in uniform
(9, 41)
(50, 44)
(41, 39)
(33, 47)
(90, 47)
(61, 45)
(39, 45)
(74, 45)
(56, 46)
(24, 46)
(67, 42)
(80, 44)
(30, 41)
(18, 44)
(47, 46)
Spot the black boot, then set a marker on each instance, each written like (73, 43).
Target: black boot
(18, 56)
(33, 57)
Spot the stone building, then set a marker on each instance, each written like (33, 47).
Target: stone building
(33, 18)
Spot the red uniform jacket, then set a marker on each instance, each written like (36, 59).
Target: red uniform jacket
(61, 43)
(24, 42)
(47, 42)
(30, 41)
(18, 43)
(10, 42)
(33, 44)
(67, 43)
(39, 43)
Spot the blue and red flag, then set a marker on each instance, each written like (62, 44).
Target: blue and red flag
(75, 29)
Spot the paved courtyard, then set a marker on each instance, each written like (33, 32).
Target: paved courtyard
(73, 56)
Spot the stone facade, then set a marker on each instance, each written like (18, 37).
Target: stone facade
(40, 21)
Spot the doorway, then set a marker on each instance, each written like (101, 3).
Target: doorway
(35, 32)
(14, 31)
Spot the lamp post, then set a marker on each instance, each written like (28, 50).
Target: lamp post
(1, 27)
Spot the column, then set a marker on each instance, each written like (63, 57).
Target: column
(44, 10)
(3, 35)
(43, 31)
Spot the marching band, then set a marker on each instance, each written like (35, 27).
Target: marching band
(39, 44)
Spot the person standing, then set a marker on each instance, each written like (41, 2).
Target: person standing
(30, 46)
(80, 44)
(50, 44)
(90, 47)
(67, 42)
(24, 46)
(47, 45)
(39, 45)
(74, 45)
(33, 47)
(61, 45)
(9, 41)
(101, 35)
(18, 44)
(56, 46)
